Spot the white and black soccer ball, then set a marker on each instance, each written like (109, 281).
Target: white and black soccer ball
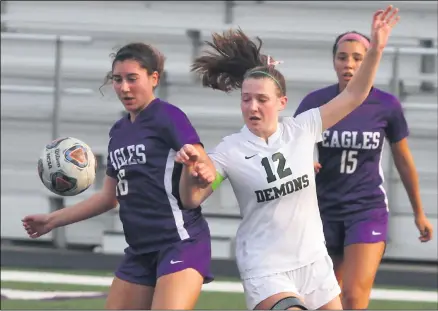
(67, 166)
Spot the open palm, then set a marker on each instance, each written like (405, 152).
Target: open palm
(383, 22)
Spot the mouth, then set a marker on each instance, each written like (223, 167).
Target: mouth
(347, 75)
(254, 119)
(128, 99)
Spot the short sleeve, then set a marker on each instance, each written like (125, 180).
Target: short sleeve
(220, 157)
(110, 169)
(180, 130)
(311, 122)
(397, 127)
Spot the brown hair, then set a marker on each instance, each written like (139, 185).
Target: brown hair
(146, 55)
(335, 45)
(233, 59)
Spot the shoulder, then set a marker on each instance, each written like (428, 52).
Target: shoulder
(169, 111)
(229, 143)
(386, 99)
(117, 125)
(322, 94)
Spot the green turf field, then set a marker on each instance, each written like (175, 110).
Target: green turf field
(208, 300)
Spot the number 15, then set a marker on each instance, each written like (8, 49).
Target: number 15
(348, 161)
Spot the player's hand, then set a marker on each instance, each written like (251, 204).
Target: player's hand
(187, 155)
(317, 167)
(383, 22)
(36, 225)
(204, 174)
(425, 228)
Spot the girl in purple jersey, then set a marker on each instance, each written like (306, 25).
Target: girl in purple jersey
(349, 182)
(169, 249)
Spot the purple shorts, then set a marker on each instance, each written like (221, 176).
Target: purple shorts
(145, 269)
(369, 226)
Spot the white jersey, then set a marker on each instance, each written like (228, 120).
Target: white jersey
(274, 184)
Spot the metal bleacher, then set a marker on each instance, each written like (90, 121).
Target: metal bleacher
(300, 33)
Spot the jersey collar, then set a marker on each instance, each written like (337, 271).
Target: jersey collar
(250, 136)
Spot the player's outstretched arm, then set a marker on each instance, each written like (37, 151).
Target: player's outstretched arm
(104, 200)
(360, 85)
(197, 175)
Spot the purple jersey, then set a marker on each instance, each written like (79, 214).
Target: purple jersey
(351, 178)
(141, 157)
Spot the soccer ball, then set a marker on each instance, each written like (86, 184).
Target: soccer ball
(67, 166)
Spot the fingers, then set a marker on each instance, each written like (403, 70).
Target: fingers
(204, 173)
(389, 16)
(187, 154)
(317, 166)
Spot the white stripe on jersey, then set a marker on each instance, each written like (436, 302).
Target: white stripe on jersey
(177, 214)
(383, 176)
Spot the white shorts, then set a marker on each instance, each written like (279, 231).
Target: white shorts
(315, 284)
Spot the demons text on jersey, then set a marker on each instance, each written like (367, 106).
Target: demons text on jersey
(286, 188)
(129, 155)
(351, 139)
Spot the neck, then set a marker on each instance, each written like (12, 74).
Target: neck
(342, 86)
(133, 114)
(265, 134)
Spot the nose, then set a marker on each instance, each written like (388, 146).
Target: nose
(253, 105)
(124, 86)
(349, 63)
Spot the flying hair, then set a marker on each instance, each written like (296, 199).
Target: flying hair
(232, 58)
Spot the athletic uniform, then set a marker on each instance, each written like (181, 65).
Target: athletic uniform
(280, 241)
(162, 236)
(351, 197)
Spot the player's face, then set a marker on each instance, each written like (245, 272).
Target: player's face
(260, 105)
(348, 58)
(133, 85)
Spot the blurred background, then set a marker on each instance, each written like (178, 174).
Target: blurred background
(55, 55)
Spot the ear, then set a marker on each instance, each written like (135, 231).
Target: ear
(155, 78)
(283, 102)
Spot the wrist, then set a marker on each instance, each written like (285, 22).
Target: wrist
(52, 221)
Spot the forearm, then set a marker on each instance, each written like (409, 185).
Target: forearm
(93, 206)
(190, 191)
(363, 80)
(354, 94)
(410, 180)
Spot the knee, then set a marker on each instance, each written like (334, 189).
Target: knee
(355, 298)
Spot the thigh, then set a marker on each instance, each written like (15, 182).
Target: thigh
(182, 269)
(261, 293)
(178, 290)
(124, 295)
(361, 262)
(320, 288)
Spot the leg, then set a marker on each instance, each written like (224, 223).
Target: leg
(338, 266)
(129, 296)
(133, 285)
(182, 269)
(361, 264)
(179, 290)
(365, 246)
(281, 301)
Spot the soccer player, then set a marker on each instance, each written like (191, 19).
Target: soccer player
(352, 201)
(280, 249)
(169, 252)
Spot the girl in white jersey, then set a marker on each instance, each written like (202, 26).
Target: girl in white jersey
(280, 249)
